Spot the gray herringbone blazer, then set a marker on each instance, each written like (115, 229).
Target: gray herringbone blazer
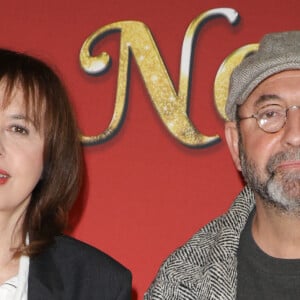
(206, 266)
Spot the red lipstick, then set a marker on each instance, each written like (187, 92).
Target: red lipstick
(4, 176)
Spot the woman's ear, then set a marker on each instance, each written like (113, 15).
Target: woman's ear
(232, 138)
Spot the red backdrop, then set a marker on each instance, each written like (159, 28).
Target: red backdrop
(145, 193)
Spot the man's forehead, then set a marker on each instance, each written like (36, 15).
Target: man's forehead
(281, 75)
(276, 87)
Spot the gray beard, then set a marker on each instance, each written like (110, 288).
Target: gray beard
(280, 189)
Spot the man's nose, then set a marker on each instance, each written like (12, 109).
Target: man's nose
(292, 127)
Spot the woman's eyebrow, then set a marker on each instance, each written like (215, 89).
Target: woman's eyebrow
(18, 116)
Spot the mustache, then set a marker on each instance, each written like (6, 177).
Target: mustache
(278, 158)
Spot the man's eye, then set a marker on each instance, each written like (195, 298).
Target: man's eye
(271, 114)
(19, 129)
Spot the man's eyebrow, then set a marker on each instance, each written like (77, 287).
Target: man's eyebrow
(266, 97)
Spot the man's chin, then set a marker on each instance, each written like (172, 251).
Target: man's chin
(285, 193)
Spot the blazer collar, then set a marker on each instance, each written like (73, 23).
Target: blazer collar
(45, 282)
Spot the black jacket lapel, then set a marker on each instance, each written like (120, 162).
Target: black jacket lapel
(44, 281)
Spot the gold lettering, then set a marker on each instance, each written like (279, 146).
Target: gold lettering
(221, 85)
(172, 107)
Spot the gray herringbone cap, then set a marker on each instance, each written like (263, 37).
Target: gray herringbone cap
(277, 52)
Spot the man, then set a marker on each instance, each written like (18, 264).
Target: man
(252, 251)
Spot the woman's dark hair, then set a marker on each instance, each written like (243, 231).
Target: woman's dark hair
(47, 103)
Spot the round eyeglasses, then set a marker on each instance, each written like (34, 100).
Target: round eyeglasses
(271, 118)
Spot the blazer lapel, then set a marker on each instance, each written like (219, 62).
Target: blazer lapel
(44, 281)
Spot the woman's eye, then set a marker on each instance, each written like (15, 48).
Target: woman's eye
(19, 129)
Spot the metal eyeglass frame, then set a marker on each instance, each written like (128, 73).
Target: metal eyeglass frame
(255, 116)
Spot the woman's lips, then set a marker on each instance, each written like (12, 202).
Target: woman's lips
(4, 176)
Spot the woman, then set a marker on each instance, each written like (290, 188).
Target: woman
(40, 174)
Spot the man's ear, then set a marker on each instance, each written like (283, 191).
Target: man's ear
(232, 138)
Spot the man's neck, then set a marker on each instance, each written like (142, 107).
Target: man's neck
(276, 233)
